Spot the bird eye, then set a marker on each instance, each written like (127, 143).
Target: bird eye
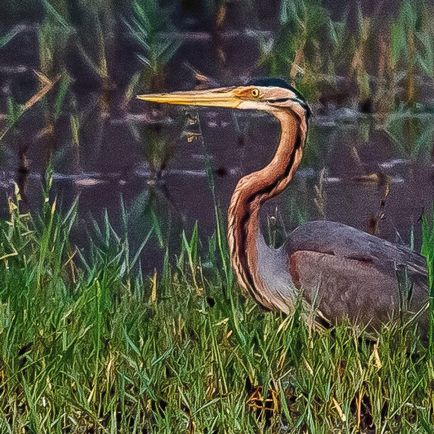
(255, 93)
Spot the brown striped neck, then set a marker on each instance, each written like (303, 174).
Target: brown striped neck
(244, 233)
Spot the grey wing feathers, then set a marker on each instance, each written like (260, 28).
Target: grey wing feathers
(344, 241)
(348, 274)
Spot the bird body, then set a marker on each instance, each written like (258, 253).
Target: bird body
(341, 274)
(349, 275)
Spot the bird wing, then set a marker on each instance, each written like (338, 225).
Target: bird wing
(344, 241)
(350, 275)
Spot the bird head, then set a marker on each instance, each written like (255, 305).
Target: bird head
(269, 94)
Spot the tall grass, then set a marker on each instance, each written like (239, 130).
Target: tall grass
(384, 60)
(306, 32)
(149, 19)
(378, 62)
(89, 344)
(428, 252)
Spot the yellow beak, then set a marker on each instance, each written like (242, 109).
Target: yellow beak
(221, 97)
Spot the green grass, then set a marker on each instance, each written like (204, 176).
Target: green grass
(90, 344)
(428, 252)
(381, 60)
(149, 19)
(377, 62)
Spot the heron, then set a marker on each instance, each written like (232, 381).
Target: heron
(341, 274)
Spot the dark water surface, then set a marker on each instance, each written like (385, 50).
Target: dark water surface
(349, 162)
(107, 148)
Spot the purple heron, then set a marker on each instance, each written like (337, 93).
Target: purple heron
(344, 274)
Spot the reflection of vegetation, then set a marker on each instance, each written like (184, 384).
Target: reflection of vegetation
(318, 146)
(16, 111)
(413, 136)
(92, 338)
(158, 146)
(149, 19)
(53, 106)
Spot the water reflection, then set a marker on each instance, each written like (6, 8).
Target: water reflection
(153, 178)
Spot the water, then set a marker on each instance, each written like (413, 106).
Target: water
(161, 163)
(348, 162)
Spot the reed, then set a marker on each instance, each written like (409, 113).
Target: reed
(412, 45)
(306, 31)
(90, 343)
(384, 60)
(148, 21)
(376, 63)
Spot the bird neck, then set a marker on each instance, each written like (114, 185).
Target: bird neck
(245, 238)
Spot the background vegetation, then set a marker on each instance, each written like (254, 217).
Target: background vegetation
(88, 343)
(377, 60)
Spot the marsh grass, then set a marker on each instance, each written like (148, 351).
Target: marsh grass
(90, 344)
(148, 20)
(428, 252)
(372, 61)
(384, 60)
(158, 146)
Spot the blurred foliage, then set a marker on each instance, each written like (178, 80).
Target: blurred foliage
(413, 136)
(377, 60)
(91, 345)
(384, 60)
(306, 32)
(149, 19)
(412, 44)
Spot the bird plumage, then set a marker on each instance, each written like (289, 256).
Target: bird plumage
(341, 273)
(355, 277)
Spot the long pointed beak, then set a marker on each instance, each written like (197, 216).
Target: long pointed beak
(221, 97)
